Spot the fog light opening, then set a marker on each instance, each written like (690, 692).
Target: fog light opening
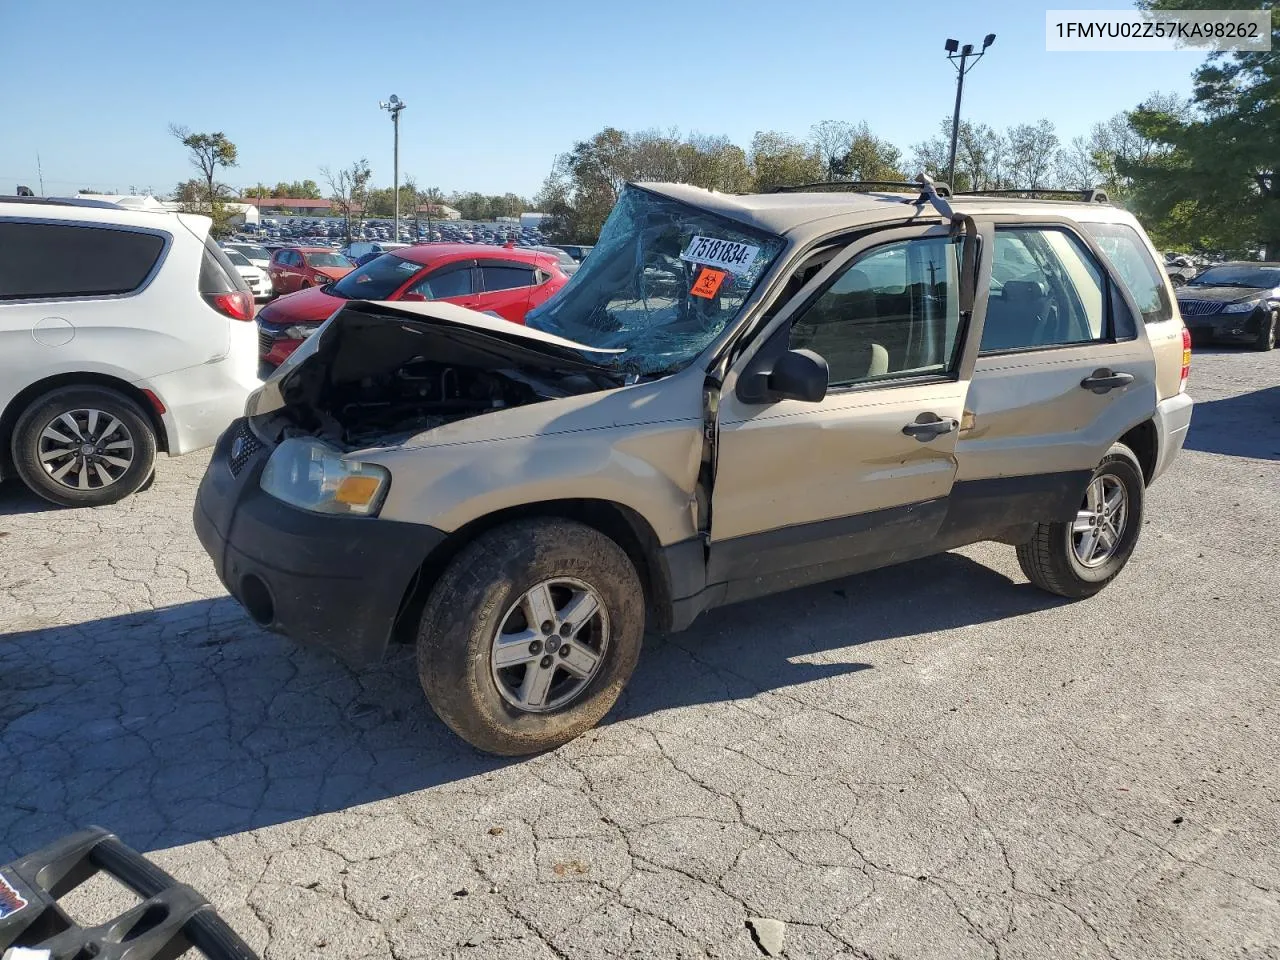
(256, 598)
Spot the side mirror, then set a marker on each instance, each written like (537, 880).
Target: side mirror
(776, 373)
(413, 298)
(800, 375)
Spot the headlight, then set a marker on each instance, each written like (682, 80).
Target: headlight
(313, 476)
(1246, 307)
(299, 332)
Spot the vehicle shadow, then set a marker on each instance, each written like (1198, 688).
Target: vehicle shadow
(188, 722)
(1247, 425)
(16, 499)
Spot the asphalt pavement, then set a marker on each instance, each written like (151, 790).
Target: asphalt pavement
(931, 761)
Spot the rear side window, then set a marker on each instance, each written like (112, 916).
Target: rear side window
(505, 278)
(217, 275)
(61, 260)
(1046, 291)
(442, 286)
(1132, 262)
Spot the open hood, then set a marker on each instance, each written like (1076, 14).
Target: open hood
(377, 372)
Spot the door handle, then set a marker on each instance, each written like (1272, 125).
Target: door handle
(928, 426)
(1104, 379)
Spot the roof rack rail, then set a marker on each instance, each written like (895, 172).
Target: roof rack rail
(1092, 195)
(860, 186)
(61, 202)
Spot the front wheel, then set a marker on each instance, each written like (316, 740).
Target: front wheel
(1267, 331)
(530, 634)
(1077, 558)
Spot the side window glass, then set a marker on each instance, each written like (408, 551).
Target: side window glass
(1132, 262)
(1046, 291)
(892, 312)
(60, 260)
(442, 286)
(506, 278)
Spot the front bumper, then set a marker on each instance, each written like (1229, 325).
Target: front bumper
(273, 346)
(1225, 326)
(337, 582)
(1173, 420)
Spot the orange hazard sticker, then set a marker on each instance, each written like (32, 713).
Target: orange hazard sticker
(708, 283)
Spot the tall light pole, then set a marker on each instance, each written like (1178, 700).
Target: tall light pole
(393, 106)
(956, 52)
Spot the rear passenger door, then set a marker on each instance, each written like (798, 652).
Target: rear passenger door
(451, 283)
(1063, 371)
(507, 285)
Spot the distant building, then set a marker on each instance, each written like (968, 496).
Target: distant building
(290, 206)
(532, 221)
(438, 211)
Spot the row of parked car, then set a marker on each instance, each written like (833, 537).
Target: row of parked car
(324, 231)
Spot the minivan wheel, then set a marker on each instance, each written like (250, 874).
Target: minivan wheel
(84, 446)
(1267, 331)
(1079, 557)
(530, 634)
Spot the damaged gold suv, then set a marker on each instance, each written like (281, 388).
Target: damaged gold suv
(734, 396)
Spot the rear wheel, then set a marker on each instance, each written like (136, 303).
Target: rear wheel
(1077, 558)
(84, 446)
(1267, 331)
(530, 635)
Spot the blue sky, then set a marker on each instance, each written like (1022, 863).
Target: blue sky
(496, 88)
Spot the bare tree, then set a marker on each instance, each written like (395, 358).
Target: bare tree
(348, 191)
(1076, 168)
(1032, 150)
(833, 139)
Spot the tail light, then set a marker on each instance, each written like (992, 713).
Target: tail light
(1186, 358)
(238, 305)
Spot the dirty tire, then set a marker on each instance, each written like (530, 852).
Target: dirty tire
(26, 444)
(1267, 332)
(1048, 559)
(464, 613)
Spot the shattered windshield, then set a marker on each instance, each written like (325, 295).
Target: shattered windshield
(664, 280)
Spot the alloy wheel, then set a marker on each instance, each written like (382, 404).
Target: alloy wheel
(550, 645)
(1100, 522)
(85, 449)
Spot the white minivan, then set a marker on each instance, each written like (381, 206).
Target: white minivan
(122, 333)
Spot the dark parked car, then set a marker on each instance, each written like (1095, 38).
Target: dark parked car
(577, 251)
(1233, 301)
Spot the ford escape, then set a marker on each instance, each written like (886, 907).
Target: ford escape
(735, 395)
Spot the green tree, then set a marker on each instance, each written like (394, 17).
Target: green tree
(869, 157)
(1214, 180)
(779, 160)
(208, 153)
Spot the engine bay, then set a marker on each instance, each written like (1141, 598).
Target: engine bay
(378, 382)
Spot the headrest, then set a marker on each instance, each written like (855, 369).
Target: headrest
(1022, 291)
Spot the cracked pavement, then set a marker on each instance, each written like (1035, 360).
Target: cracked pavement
(929, 761)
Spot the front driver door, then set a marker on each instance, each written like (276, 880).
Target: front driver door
(802, 489)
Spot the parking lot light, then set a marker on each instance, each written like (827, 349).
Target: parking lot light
(394, 105)
(963, 54)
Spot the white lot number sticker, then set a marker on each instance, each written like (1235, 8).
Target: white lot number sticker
(722, 254)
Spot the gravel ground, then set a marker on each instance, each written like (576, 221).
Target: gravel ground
(930, 761)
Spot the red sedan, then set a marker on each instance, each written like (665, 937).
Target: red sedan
(296, 268)
(505, 281)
